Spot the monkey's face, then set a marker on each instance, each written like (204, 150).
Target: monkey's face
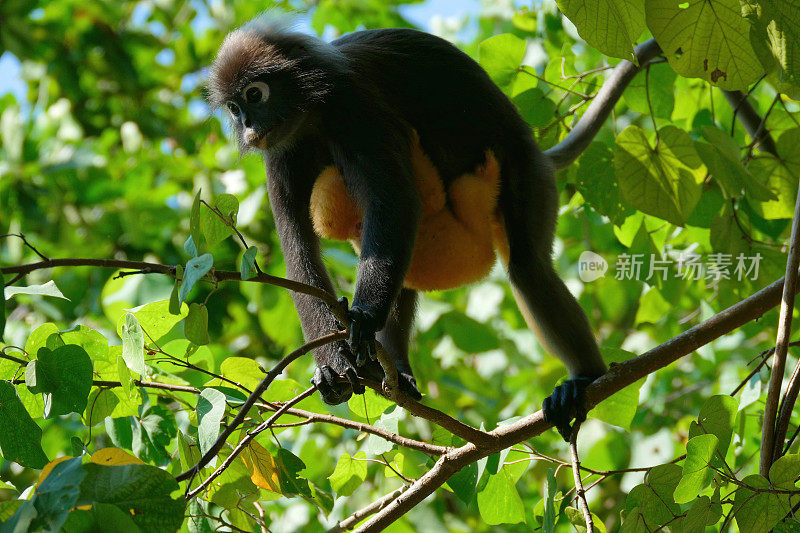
(264, 86)
(263, 113)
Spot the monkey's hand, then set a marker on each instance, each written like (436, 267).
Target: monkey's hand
(363, 326)
(337, 379)
(566, 403)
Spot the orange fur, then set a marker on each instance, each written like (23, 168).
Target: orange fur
(454, 244)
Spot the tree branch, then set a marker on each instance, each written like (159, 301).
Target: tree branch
(155, 268)
(602, 104)
(245, 442)
(772, 436)
(618, 377)
(253, 398)
(743, 110)
(400, 440)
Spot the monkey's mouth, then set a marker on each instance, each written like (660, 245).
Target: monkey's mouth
(256, 140)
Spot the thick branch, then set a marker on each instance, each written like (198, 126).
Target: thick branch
(743, 110)
(618, 377)
(772, 436)
(457, 428)
(603, 103)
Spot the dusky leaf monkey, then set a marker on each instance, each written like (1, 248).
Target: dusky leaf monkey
(400, 143)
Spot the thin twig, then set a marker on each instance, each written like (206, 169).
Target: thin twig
(245, 442)
(253, 398)
(137, 382)
(169, 270)
(29, 245)
(312, 417)
(580, 493)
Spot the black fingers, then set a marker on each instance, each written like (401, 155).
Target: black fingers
(362, 335)
(334, 386)
(565, 404)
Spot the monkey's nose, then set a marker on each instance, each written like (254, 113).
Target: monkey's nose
(252, 138)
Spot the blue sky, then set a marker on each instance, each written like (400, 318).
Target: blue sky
(420, 14)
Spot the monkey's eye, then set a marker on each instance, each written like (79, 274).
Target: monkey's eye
(256, 92)
(234, 109)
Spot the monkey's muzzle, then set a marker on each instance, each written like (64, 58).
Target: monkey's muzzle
(254, 139)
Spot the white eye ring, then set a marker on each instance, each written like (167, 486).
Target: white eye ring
(249, 95)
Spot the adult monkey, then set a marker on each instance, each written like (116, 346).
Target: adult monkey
(400, 143)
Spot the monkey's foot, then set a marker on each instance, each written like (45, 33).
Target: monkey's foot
(408, 385)
(405, 379)
(566, 403)
(336, 387)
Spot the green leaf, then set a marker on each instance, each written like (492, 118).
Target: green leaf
(721, 157)
(784, 471)
(389, 422)
(133, 344)
(654, 497)
(174, 299)
(611, 26)
(48, 289)
(619, 408)
(501, 56)
(43, 337)
(775, 36)
(549, 517)
(197, 521)
(499, 502)
(153, 434)
(663, 181)
(2, 310)
(758, 511)
(349, 474)
(20, 439)
(64, 376)
(706, 39)
(369, 405)
(717, 417)
(535, 107)
(215, 229)
(696, 467)
(194, 225)
(155, 318)
(597, 182)
(661, 82)
(100, 405)
(467, 333)
(196, 324)
(57, 494)
(779, 175)
(140, 491)
(196, 268)
(464, 482)
(575, 518)
(245, 371)
(95, 344)
(289, 465)
(248, 269)
(189, 247)
(210, 411)
(120, 432)
(98, 518)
